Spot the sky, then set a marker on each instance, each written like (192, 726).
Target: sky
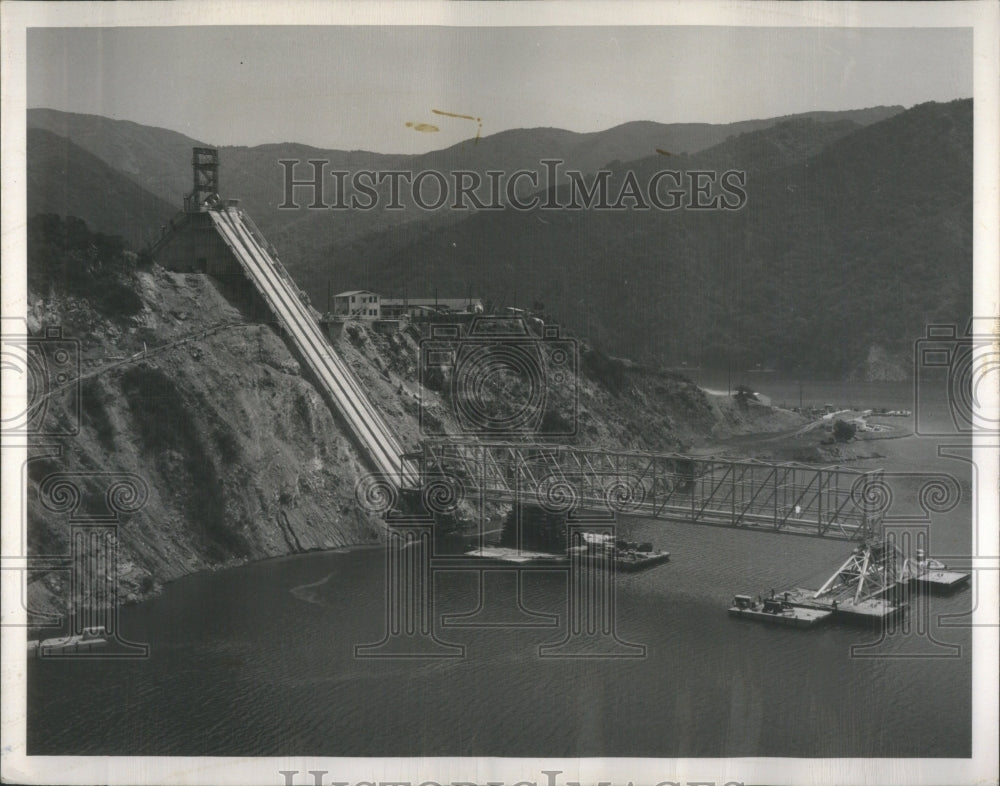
(377, 88)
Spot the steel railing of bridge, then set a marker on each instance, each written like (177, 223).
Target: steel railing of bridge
(834, 502)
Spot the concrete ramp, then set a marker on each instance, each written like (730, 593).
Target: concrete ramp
(336, 379)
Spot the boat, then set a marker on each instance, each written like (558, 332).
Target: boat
(631, 560)
(90, 639)
(776, 611)
(626, 555)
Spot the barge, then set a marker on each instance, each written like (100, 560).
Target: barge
(930, 573)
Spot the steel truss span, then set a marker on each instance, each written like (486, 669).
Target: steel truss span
(831, 502)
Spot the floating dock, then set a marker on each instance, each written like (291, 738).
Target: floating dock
(927, 572)
(869, 587)
(941, 579)
(625, 561)
(517, 556)
(862, 589)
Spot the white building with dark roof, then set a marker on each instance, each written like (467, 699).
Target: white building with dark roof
(358, 304)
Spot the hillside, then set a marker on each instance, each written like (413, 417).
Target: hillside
(65, 179)
(844, 208)
(158, 158)
(242, 457)
(159, 161)
(852, 239)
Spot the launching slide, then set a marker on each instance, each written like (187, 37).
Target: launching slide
(342, 387)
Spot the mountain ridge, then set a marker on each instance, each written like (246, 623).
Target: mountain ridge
(837, 209)
(159, 161)
(47, 117)
(64, 179)
(816, 230)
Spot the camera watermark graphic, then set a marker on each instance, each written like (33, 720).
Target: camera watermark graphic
(957, 379)
(47, 365)
(548, 187)
(501, 377)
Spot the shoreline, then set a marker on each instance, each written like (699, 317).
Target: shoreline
(138, 597)
(745, 445)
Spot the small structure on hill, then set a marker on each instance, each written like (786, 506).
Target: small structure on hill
(191, 242)
(357, 304)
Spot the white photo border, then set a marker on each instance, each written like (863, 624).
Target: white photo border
(982, 17)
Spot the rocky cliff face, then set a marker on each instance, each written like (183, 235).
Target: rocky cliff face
(241, 456)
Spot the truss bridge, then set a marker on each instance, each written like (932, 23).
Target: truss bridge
(831, 502)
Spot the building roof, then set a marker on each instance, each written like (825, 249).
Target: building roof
(451, 303)
(355, 292)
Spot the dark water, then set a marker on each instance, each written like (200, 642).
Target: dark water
(260, 660)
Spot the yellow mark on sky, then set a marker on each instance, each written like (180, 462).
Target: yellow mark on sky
(425, 128)
(455, 114)
(662, 152)
(477, 120)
